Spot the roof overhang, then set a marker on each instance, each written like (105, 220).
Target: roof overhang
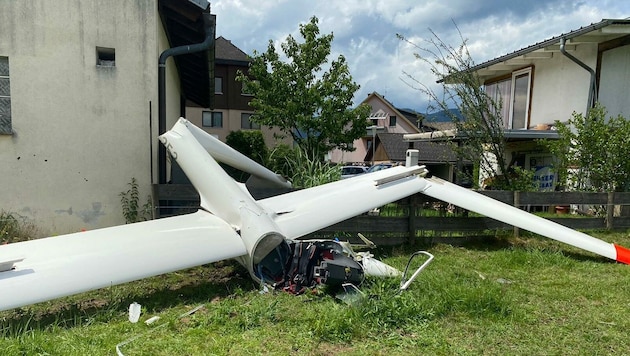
(187, 22)
(508, 135)
(529, 135)
(606, 30)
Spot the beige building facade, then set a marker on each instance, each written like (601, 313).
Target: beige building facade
(81, 83)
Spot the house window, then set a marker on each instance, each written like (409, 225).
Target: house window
(520, 98)
(105, 57)
(392, 121)
(499, 93)
(514, 95)
(212, 119)
(218, 85)
(5, 97)
(247, 124)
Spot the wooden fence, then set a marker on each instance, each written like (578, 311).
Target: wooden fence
(421, 218)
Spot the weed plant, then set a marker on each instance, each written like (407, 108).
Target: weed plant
(14, 228)
(306, 172)
(130, 201)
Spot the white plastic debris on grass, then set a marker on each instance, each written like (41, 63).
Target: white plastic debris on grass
(134, 312)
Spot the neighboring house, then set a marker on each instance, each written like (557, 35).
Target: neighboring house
(385, 119)
(231, 110)
(549, 80)
(553, 78)
(79, 102)
(389, 124)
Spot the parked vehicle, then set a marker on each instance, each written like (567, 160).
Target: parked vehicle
(351, 171)
(379, 166)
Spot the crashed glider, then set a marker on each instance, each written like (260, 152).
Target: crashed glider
(260, 234)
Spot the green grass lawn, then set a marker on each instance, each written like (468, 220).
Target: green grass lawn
(509, 296)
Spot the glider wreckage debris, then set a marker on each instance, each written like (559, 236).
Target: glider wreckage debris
(260, 234)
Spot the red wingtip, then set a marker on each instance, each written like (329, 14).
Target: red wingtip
(623, 254)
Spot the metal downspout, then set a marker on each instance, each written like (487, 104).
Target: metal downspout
(592, 92)
(192, 48)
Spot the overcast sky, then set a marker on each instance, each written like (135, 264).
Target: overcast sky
(365, 31)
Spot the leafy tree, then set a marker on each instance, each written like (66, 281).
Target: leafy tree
(251, 143)
(592, 152)
(482, 125)
(303, 100)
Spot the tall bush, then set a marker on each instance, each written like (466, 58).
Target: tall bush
(592, 151)
(302, 170)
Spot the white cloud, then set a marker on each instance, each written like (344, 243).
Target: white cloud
(365, 31)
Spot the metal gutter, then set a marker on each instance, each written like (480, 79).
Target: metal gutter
(530, 134)
(592, 90)
(176, 51)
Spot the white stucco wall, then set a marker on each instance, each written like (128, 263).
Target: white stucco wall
(614, 84)
(81, 131)
(560, 86)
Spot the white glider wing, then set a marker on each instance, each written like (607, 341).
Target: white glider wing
(39, 270)
(304, 211)
(468, 199)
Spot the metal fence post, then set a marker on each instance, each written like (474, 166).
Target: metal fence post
(517, 203)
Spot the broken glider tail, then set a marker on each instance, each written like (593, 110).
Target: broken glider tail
(218, 192)
(479, 203)
(226, 154)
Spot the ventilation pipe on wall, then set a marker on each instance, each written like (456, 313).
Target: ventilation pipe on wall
(176, 51)
(592, 91)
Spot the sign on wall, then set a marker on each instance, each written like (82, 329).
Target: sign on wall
(545, 178)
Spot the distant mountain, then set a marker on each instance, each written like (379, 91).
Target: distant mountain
(443, 116)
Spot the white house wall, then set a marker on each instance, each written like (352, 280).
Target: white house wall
(560, 86)
(614, 84)
(81, 131)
